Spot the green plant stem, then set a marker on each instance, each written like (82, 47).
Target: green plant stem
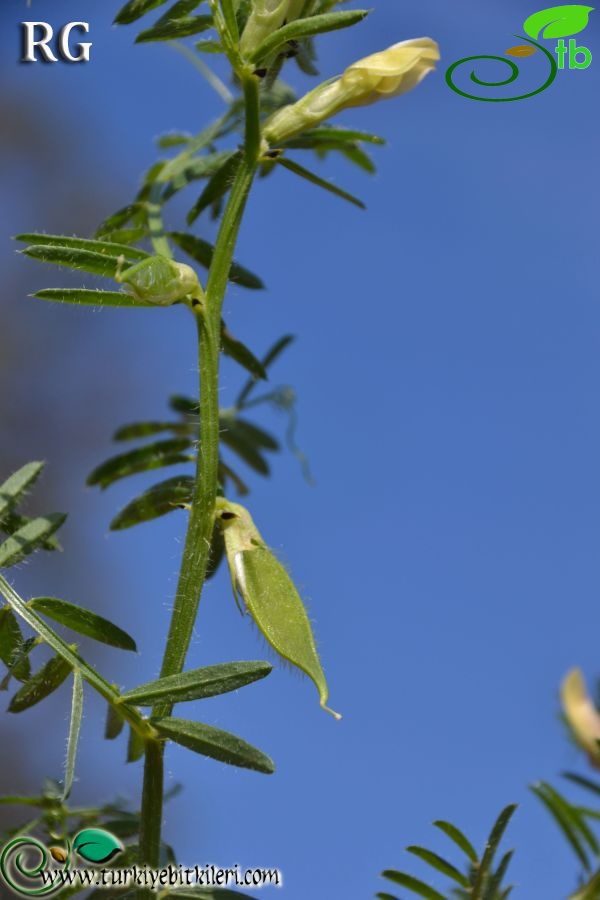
(202, 515)
(152, 803)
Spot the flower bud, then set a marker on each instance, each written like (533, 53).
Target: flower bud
(265, 18)
(389, 73)
(160, 280)
(581, 715)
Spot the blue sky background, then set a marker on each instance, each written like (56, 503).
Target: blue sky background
(448, 373)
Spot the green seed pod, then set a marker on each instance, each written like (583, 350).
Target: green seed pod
(269, 595)
(160, 280)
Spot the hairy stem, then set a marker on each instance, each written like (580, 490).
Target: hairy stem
(201, 521)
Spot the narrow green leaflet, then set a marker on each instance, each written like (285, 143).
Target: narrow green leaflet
(185, 169)
(251, 455)
(496, 835)
(209, 47)
(74, 731)
(241, 354)
(134, 212)
(323, 146)
(173, 139)
(86, 297)
(216, 188)
(114, 723)
(199, 683)
(229, 14)
(217, 744)
(135, 9)
(157, 501)
(135, 746)
(567, 820)
(297, 169)
(172, 26)
(456, 835)
(495, 881)
(202, 252)
(270, 357)
(83, 260)
(331, 133)
(137, 430)
(126, 235)
(41, 685)
(83, 622)
(185, 405)
(29, 538)
(17, 485)
(13, 522)
(440, 864)
(303, 28)
(583, 782)
(249, 432)
(104, 247)
(143, 459)
(412, 884)
(11, 642)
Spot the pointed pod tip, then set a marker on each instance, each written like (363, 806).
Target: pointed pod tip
(337, 716)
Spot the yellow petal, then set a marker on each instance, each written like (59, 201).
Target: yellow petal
(581, 714)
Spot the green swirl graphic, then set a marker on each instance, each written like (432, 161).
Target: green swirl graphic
(514, 74)
(17, 871)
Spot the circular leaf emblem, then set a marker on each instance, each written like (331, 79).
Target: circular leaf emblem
(96, 845)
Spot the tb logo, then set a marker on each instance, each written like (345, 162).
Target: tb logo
(38, 38)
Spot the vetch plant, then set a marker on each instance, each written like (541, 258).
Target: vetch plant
(139, 254)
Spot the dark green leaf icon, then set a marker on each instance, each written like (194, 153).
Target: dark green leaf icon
(96, 845)
(558, 21)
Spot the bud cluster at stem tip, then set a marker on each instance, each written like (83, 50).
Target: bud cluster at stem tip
(380, 76)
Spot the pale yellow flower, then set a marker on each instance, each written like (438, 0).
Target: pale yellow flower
(383, 75)
(582, 716)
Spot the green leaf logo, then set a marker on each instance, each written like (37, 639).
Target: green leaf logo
(96, 845)
(558, 21)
